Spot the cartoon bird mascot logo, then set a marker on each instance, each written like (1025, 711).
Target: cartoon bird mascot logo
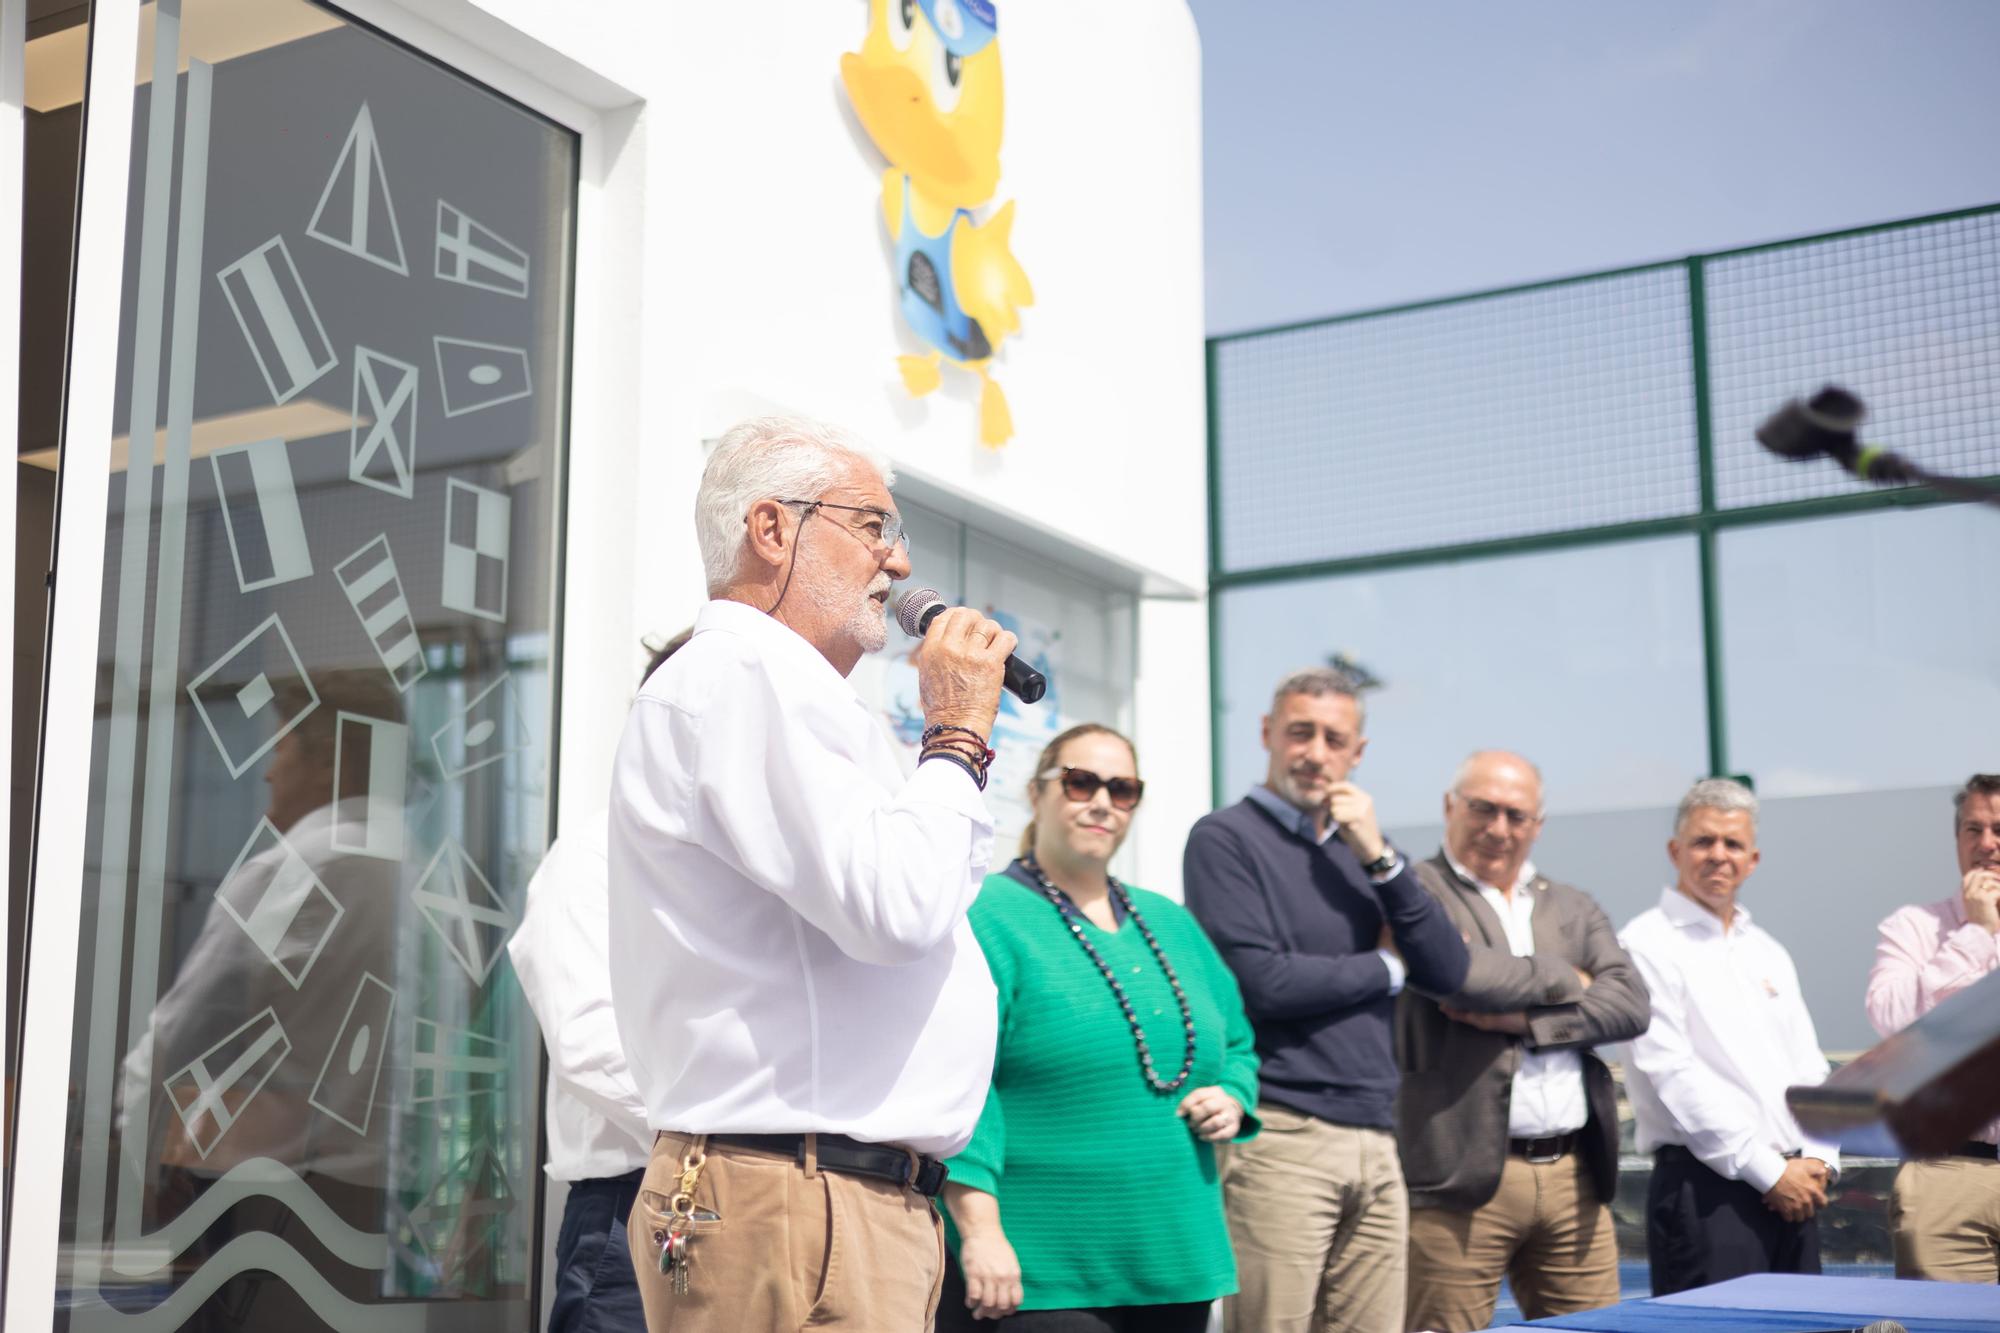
(926, 86)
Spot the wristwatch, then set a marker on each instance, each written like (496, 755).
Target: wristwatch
(1382, 864)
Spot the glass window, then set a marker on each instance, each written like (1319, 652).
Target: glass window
(307, 1085)
(1587, 660)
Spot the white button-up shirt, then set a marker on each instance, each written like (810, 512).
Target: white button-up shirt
(789, 948)
(561, 953)
(1548, 1095)
(1730, 1033)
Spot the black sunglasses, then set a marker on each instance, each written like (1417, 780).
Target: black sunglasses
(1080, 784)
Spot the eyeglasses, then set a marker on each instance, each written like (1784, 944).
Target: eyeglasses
(1484, 811)
(1080, 784)
(888, 531)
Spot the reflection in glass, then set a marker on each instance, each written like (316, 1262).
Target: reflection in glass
(306, 1079)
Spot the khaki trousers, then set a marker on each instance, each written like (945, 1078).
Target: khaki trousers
(1945, 1217)
(1545, 1228)
(791, 1248)
(1320, 1222)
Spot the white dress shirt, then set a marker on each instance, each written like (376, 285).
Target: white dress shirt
(561, 953)
(1730, 1033)
(789, 947)
(1548, 1098)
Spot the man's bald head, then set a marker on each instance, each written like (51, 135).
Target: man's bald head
(1492, 815)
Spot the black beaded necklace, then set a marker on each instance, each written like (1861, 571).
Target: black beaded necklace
(1068, 911)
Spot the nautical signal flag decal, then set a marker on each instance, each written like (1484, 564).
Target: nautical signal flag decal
(477, 523)
(212, 1090)
(463, 909)
(380, 749)
(277, 318)
(488, 729)
(383, 454)
(238, 703)
(355, 212)
(260, 514)
(473, 376)
(375, 591)
(281, 904)
(473, 255)
(345, 1088)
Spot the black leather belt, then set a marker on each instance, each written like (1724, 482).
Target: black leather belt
(850, 1157)
(1551, 1149)
(1985, 1152)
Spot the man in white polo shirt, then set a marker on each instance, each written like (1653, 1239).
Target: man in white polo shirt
(806, 1012)
(598, 1141)
(1736, 1182)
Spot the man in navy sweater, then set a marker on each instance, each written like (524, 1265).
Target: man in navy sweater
(1323, 923)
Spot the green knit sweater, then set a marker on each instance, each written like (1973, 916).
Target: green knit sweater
(1107, 1196)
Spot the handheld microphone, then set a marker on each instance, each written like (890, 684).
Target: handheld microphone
(1826, 424)
(918, 607)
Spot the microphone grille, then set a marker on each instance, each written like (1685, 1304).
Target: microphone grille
(910, 608)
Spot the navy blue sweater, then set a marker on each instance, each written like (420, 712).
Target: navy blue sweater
(1298, 924)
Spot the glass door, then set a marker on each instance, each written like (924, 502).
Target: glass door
(303, 1084)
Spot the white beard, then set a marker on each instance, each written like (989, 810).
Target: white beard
(866, 623)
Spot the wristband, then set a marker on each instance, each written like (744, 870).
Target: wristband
(952, 756)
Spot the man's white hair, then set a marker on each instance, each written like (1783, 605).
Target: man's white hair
(1724, 794)
(787, 458)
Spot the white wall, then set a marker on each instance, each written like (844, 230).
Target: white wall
(764, 283)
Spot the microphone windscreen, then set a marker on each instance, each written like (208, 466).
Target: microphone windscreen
(1884, 1326)
(910, 608)
(1824, 424)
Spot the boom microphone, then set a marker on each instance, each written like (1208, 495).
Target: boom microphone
(918, 607)
(1826, 424)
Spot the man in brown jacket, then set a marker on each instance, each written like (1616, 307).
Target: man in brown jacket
(1506, 1121)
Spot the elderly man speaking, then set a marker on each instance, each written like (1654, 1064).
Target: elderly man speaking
(806, 1012)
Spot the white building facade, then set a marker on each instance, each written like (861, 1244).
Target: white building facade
(429, 308)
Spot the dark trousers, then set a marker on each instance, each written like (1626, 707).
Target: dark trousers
(1702, 1228)
(953, 1317)
(596, 1291)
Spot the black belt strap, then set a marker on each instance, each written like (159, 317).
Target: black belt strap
(851, 1157)
(1553, 1148)
(1985, 1152)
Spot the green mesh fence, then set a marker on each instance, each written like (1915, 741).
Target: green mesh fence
(1574, 405)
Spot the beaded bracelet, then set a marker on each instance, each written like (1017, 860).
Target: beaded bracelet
(977, 775)
(936, 730)
(979, 759)
(978, 754)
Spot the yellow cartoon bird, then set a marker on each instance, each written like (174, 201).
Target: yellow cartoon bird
(926, 85)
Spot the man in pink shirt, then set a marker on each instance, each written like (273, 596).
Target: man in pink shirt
(1946, 1212)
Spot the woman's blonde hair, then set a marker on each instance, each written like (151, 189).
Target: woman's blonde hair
(1047, 760)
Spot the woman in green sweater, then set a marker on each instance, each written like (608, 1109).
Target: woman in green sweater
(1087, 1201)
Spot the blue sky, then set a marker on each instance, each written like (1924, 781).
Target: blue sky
(1362, 153)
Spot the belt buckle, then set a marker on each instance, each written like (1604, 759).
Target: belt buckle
(1545, 1159)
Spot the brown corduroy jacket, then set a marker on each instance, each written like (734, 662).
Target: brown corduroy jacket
(1451, 1111)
